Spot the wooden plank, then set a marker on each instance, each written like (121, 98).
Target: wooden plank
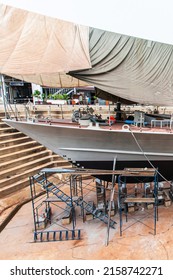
(139, 200)
(139, 169)
(128, 172)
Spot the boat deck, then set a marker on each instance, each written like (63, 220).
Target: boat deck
(116, 126)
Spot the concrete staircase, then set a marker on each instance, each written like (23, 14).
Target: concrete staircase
(21, 157)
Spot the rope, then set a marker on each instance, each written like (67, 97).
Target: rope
(139, 146)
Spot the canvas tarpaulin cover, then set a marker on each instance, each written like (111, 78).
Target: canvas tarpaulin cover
(131, 68)
(40, 49)
(43, 50)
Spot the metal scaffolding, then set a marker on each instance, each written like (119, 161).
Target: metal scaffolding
(54, 195)
(49, 226)
(42, 212)
(130, 196)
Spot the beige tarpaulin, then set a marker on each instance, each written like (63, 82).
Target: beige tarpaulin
(131, 68)
(41, 49)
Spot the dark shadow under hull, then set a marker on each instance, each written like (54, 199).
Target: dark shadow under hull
(163, 167)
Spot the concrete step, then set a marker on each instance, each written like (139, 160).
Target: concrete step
(15, 170)
(20, 153)
(3, 124)
(60, 161)
(18, 147)
(20, 182)
(2, 114)
(7, 129)
(12, 142)
(11, 135)
(23, 159)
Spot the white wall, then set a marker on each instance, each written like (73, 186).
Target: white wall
(36, 87)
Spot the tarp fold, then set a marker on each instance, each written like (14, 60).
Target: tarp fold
(41, 49)
(134, 69)
(51, 52)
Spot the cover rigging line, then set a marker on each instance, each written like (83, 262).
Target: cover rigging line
(139, 146)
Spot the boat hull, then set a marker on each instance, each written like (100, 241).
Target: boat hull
(97, 148)
(163, 166)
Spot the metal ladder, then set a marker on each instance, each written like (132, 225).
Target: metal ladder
(57, 235)
(96, 212)
(54, 189)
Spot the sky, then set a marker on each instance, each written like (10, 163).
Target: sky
(148, 19)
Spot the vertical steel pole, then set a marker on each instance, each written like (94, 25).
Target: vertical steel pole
(156, 201)
(111, 198)
(81, 188)
(126, 205)
(155, 210)
(62, 112)
(32, 185)
(119, 204)
(72, 206)
(157, 195)
(4, 95)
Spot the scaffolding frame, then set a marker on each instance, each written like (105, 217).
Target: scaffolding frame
(54, 193)
(141, 175)
(46, 202)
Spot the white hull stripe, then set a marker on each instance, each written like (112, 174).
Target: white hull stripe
(117, 152)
